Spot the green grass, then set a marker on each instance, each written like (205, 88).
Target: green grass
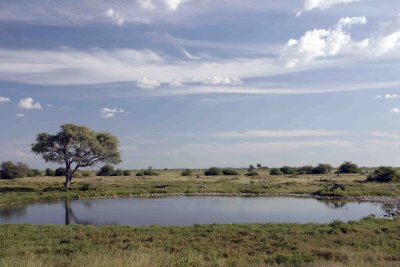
(51, 188)
(369, 242)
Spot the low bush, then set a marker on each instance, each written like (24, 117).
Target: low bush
(148, 172)
(230, 171)
(127, 173)
(253, 173)
(348, 167)
(322, 169)
(86, 174)
(288, 170)
(9, 170)
(49, 172)
(384, 175)
(275, 171)
(187, 172)
(305, 169)
(60, 172)
(106, 170)
(34, 173)
(213, 171)
(87, 187)
(118, 172)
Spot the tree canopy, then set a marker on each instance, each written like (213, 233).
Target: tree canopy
(77, 147)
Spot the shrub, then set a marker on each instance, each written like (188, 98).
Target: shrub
(275, 171)
(118, 172)
(34, 173)
(60, 172)
(253, 173)
(127, 173)
(259, 166)
(348, 167)
(187, 172)
(49, 172)
(288, 170)
(305, 169)
(213, 171)
(106, 170)
(9, 170)
(251, 167)
(229, 171)
(148, 172)
(322, 169)
(384, 175)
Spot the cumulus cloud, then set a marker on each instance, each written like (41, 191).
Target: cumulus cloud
(108, 113)
(115, 17)
(395, 111)
(147, 83)
(4, 99)
(321, 43)
(218, 80)
(323, 4)
(28, 103)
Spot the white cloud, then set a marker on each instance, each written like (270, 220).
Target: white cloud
(115, 17)
(395, 110)
(4, 99)
(389, 96)
(19, 115)
(218, 80)
(146, 4)
(50, 106)
(108, 113)
(147, 83)
(321, 43)
(169, 5)
(323, 4)
(28, 103)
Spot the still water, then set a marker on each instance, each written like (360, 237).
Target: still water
(189, 210)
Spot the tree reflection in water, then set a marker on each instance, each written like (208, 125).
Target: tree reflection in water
(334, 204)
(15, 211)
(70, 217)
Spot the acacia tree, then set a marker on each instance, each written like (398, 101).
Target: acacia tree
(77, 147)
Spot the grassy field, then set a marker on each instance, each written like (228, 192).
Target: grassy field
(369, 242)
(169, 182)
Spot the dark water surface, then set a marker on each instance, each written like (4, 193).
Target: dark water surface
(189, 210)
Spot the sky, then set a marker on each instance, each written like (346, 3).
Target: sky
(200, 83)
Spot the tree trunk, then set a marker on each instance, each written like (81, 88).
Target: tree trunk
(68, 180)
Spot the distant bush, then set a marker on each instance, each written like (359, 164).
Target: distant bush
(275, 171)
(34, 173)
(9, 170)
(118, 172)
(253, 173)
(86, 174)
(49, 172)
(106, 170)
(213, 171)
(322, 169)
(384, 175)
(148, 172)
(288, 170)
(187, 172)
(305, 169)
(127, 173)
(229, 171)
(60, 172)
(259, 166)
(348, 167)
(251, 167)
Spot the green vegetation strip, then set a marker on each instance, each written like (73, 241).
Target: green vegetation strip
(369, 242)
(26, 190)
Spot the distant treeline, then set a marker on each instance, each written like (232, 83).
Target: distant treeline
(10, 170)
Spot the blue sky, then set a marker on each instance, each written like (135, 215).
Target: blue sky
(197, 83)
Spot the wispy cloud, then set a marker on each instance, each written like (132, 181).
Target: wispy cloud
(147, 83)
(109, 113)
(4, 99)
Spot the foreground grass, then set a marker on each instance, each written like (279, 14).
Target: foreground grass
(369, 242)
(50, 188)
